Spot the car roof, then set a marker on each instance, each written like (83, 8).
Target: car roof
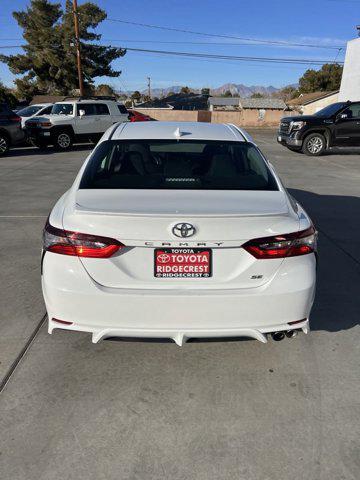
(178, 130)
(71, 102)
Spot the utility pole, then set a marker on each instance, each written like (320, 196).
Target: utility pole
(78, 52)
(149, 86)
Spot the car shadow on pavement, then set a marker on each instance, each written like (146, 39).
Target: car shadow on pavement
(337, 303)
(25, 151)
(342, 151)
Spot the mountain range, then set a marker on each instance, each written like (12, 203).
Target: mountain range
(239, 90)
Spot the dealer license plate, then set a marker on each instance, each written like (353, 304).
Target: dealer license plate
(183, 263)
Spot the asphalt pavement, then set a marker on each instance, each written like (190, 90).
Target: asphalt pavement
(242, 410)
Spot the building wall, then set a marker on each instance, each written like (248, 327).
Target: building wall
(168, 115)
(350, 83)
(243, 118)
(314, 107)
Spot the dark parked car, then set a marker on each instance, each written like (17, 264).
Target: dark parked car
(11, 132)
(337, 125)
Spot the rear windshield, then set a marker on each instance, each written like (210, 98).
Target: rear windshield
(29, 111)
(184, 164)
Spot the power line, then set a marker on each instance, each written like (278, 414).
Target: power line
(232, 57)
(183, 42)
(219, 35)
(299, 61)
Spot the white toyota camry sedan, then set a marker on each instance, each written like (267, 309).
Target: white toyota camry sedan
(178, 231)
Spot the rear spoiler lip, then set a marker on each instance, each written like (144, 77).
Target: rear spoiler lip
(83, 210)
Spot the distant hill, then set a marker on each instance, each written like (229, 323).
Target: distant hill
(239, 90)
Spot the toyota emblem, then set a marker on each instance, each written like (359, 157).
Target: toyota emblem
(163, 258)
(183, 230)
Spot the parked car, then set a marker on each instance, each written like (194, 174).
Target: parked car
(10, 129)
(32, 111)
(80, 119)
(178, 230)
(135, 116)
(337, 125)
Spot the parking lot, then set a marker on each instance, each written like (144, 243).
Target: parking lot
(206, 411)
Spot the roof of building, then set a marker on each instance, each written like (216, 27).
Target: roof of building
(265, 103)
(306, 98)
(224, 101)
(178, 130)
(178, 101)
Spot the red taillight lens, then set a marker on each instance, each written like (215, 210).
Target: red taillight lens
(76, 244)
(14, 118)
(281, 246)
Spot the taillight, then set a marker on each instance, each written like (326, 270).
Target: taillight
(77, 244)
(14, 118)
(281, 246)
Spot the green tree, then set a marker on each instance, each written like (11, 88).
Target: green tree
(286, 93)
(7, 96)
(49, 59)
(136, 96)
(227, 93)
(185, 90)
(257, 95)
(205, 91)
(327, 79)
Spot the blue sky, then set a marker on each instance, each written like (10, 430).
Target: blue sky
(327, 23)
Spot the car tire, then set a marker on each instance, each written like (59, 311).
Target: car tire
(314, 145)
(4, 144)
(63, 140)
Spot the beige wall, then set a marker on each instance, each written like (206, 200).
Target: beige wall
(245, 118)
(167, 115)
(314, 107)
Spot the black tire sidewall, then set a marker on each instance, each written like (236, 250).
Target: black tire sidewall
(7, 141)
(306, 140)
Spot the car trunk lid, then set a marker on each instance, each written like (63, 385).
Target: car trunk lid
(144, 220)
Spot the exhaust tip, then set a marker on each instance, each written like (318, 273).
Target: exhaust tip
(291, 333)
(278, 336)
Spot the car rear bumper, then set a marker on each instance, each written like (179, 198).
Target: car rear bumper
(15, 133)
(72, 296)
(38, 134)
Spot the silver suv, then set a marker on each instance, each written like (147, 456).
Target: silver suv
(75, 120)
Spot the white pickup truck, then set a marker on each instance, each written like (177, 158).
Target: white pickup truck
(80, 119)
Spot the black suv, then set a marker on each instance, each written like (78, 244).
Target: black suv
(10, 129)
(337, 125)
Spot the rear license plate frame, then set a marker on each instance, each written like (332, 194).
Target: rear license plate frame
(184, 251)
